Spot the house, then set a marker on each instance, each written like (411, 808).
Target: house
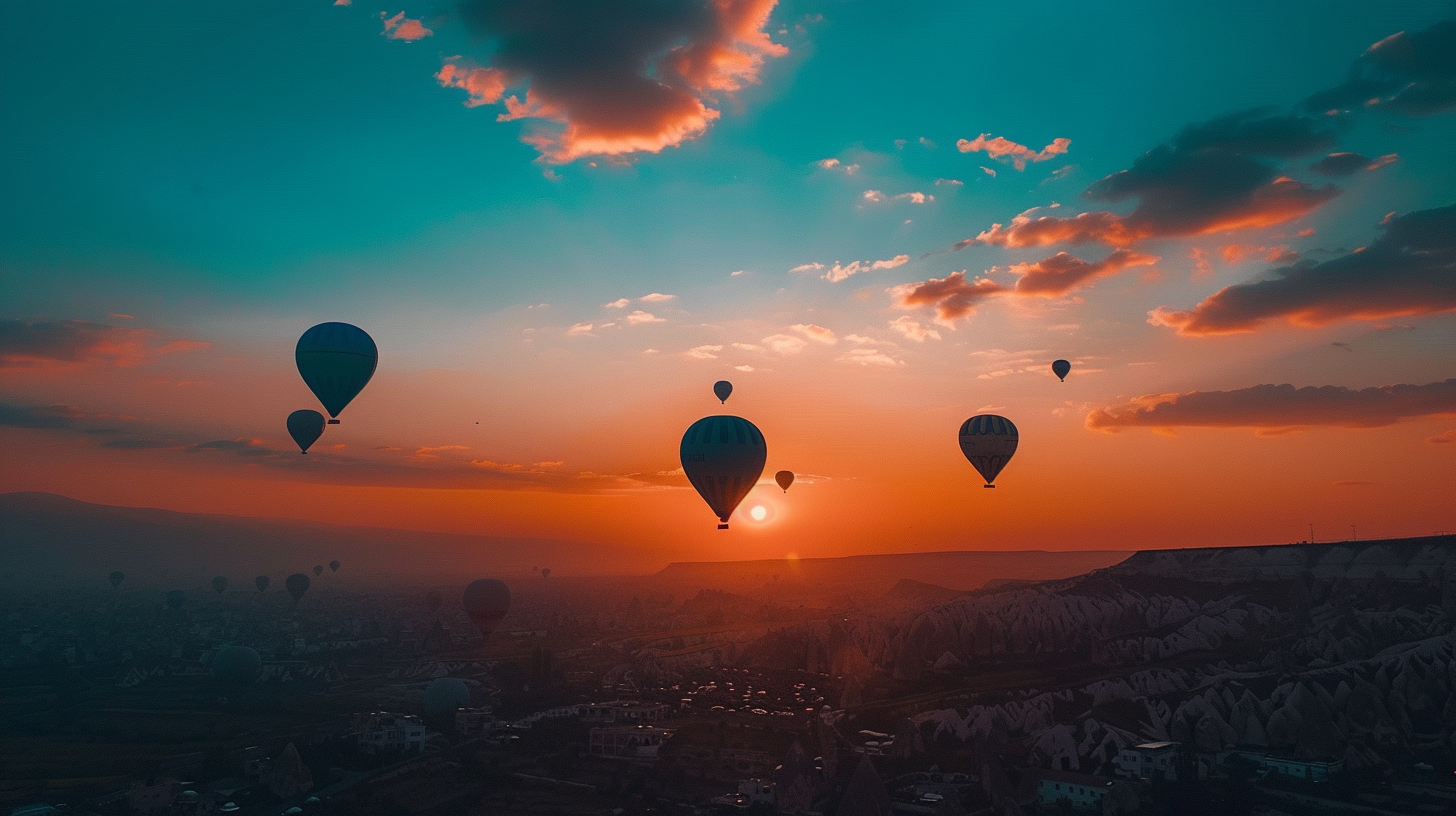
(382, 731)
(635, 742)
(1150, 760)
(624, 712)
(1078, 790)
(1312, 769)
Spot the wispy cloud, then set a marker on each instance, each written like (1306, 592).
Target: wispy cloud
(1281, 406)
(836, 164)
(912, 329)
(708, 352)
(64, 344)
(639, 317)
(877, 197)
(1009, 152)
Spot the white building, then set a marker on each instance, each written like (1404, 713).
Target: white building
(383, 731)
(1078, 790)
(1148, 761)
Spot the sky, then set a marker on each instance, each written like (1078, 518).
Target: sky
(562, 221)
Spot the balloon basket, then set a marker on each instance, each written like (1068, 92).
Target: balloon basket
(722, 526)
(989, 487)
(333, 422)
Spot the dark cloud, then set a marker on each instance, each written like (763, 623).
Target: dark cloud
(30, 344)
(46, 417)
(1413, 74)
(1409, 270)
(136, 444)
(952, 296)
(1348, 164)
(613, 78)
(1281, 406)
(1061, 273)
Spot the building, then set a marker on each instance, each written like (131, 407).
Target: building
(1150, 760)
(624, 712)
(1316, 770)
(638, 743)
(470, 721)
(382, 731)
(1078, 790)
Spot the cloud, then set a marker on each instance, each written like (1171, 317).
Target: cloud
(703, 352)
(911, 329)
(1348, 164)
(744, 368)
(45, 417)
(870, 357)
(949, 182)
(580, 329)
(818, 334)
(656, 297)
(399, 27)
(241, 447)
(1061, 273)
(839, 272)
(1444, 438)
(877, 197)
(1281, 406)
(62, 344)
(836, 164)
(639, 317)
(747, 347)
(784, 344)
(1409, 270)
(952, 297)
(485, 86)
(619, 303)
(1009, 152)
(433, 451)
(1234, 254)
(1088, 227)
(610, 79)
(1412, 74)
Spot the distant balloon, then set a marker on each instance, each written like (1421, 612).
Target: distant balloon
(486, 601)
(723, 457)
(721, 390)
(305, 427)
(784, 478)
(176, 598)
(219, 584)
(261, 582)
(988, 441)
(236, 665)
(545, 572)
(297, 584)
(1061, 368)
(336, 361)
(318, 569)
(116, 578)
(445, 694)
(433, 600)
(334, 566)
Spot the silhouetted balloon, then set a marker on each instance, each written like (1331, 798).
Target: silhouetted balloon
(176, 598)
(988, 441)
(318, 569)
(1061, 368)
(486, 601)
(545, 572)
(721, 390)
(433, 600)
(236, 665)
(305, 427)
(334, 566)
(723, 457)
(297, 584)
(784, 478)
(219, 584)
(445, 694)
(116, 578)
(336, 360)
(261, 582)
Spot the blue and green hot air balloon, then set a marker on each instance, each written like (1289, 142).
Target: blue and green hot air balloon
(336, 360)
(723, 456)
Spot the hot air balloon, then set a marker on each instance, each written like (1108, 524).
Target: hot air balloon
(305, 427)
(445, 694)
(784, 478)
(545, 572)
(988, 441)
(486, 601)
(261, 582)
(176, 598)
(116, 578)
(334, 566)
(236, 665)
(1061, 368)
(723, 457)
(336, 361)
(297, 584)
(318, 569)
(721, 390)
(219, 584)
(433, 600)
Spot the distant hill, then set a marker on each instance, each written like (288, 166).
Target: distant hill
(44, 535)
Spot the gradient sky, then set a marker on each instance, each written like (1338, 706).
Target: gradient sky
(561, 222)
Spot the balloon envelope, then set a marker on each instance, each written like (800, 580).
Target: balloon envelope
(305, 427)
(334, 566)
(336, 361)
(116, 578)
(723, 457)
(1061, 368)
(261, 582)
(486, 601)
(988, 441)
(545, 572)
(318, 569)
(236, 665)
(784, 478)
(176, 598)
(445, 694)
(721, 390)
(297, 584)
(219, 584)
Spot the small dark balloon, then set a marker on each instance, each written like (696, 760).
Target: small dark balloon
(486, 601)
(988, 442)
(318, 569)
(305, 427)
(261, 582)
(722, 389)
(1061, 368)
(545, 572)
(297, 584)
(784, 478)
(334, 566)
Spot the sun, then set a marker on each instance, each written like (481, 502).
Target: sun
(758, 512)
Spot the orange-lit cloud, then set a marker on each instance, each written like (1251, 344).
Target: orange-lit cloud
(1009, 152)
(400, 27)
(839, 272)
(912, 329)
(485, 86)
(1281, 406)
(818, 334)
(877, 197)
(1346, 164)
(615, 79)
(65, 344)
(1061, 273)
(1088, 227)
(1409, 270)
(836, 164)
(952, 297)
(1234, 254)
(870, 357)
